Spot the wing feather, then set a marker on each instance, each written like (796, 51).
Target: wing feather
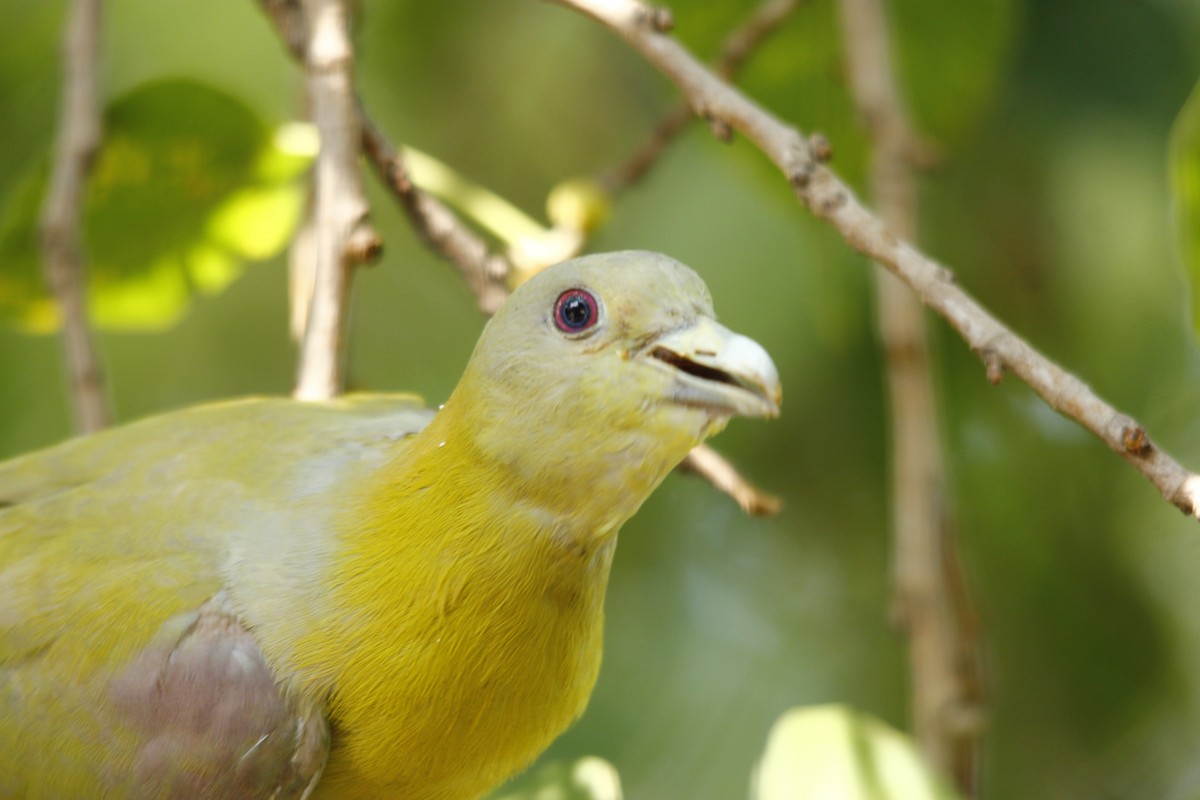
(141, 565)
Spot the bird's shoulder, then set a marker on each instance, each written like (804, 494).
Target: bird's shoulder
(252, 439)
(182, 499)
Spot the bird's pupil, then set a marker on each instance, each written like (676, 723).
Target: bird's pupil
(575, 312)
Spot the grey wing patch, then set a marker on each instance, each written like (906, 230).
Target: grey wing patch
(210, 719)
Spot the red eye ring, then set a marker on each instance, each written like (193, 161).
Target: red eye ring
(575, 311)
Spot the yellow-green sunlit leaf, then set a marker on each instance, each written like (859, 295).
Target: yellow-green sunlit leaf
(589, 778)
(827, 752)
(189, 185)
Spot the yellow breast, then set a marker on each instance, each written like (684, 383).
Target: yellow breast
(469, 634)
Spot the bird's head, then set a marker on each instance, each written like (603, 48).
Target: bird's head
(610, 366)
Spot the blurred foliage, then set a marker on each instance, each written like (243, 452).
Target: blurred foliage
(952, 56)
(588, 778)
(1185, 183)
(187, 185)
(837, 753)
(800, 75)
(1052, 204)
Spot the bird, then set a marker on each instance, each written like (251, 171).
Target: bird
(359, 597)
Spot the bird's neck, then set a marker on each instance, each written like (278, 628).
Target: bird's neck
(449, 500)
(572, 456)
(456, 582)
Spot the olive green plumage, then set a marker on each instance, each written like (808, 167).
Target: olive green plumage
(359, 598)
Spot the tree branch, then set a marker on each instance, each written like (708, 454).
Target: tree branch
(830, 199)
(716, 469)
(288, 18)
(62, 211)
(343, 235)
(927, 577)
(485, 272)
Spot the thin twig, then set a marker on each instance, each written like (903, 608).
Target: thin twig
(344, 236)
(288, 17)
(830, 199)
(927, 577)
(717, 470)
(485, 272)
(747, 37)
(739, 45)
(62, 212)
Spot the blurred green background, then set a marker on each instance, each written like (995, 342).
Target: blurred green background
(1051, 203)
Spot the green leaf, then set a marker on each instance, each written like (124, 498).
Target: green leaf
(23, 295)
(188, 186)
(1184, 164)
(589, 778)
(833, 751)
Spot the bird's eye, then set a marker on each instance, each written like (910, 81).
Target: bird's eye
(575, 311)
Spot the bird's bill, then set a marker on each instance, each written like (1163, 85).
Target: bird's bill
(718, 370)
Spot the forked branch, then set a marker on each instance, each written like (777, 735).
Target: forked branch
(343, 236)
